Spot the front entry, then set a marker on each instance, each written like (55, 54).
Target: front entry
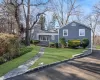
(44, 38)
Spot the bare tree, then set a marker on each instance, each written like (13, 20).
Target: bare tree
(7, 21)
(13, 7)
(93, 22)
(97, 8)
(32, 18)
(42, 22)
(64, 9)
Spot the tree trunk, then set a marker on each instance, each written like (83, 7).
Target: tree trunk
(17, 19)
(27, 39)
(93, 39)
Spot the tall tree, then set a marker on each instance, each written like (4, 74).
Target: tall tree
(52, 22)
(97, 8)
(13, 7)
(64, 7)
(42, 22)
(30, 18)
(7, 20)
(93, 22)
(27, 38)
(54, 19)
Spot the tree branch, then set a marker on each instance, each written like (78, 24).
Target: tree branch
(37, 18)
(39, 4)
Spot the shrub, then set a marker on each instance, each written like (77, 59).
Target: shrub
(35, 42)
(2, 60)
(9, 45)
(22, 51)
(25, 50)
(51, 44)
(74, 43)
(56, 45)
(62, 42)
(31, 41)
(85, 43)
(23, 41)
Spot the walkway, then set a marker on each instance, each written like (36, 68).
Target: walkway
(86, 68)
(24, 67)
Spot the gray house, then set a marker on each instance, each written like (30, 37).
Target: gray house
(71, 31)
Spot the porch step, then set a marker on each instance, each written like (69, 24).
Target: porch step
(44, 43)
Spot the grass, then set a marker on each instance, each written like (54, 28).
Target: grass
(53, 55)
(8, 66)
(98, 47)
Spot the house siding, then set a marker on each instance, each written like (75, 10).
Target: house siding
(55, 40)
(46, 43)
(73, 32)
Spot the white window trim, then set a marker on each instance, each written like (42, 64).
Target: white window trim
(79, 32)
(65, 30)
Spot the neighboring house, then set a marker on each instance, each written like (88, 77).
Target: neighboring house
(71, 31)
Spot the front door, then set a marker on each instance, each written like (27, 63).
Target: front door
(44, 38)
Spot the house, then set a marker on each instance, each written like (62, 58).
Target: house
(71, 31)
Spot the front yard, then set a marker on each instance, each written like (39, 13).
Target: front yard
(50, 55)
(8, 66)
(53, 55)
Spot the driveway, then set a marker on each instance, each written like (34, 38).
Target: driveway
(86, 68)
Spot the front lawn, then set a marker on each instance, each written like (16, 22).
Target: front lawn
(53, 55)
(8, 66)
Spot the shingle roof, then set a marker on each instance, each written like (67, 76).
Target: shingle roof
(46, 31)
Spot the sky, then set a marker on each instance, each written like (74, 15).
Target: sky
(87, 5)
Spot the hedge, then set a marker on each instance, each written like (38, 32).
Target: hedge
(74, 43)
(85, 43)
(53, 45)
(35, 42)
(9, 46)
(62, 42)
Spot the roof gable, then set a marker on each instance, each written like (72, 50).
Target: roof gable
(75, 25)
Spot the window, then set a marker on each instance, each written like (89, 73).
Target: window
(81, 32)
(53, 37)
(65, 32)
(44, 38)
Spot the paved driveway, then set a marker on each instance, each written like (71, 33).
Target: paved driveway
(87, 68)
